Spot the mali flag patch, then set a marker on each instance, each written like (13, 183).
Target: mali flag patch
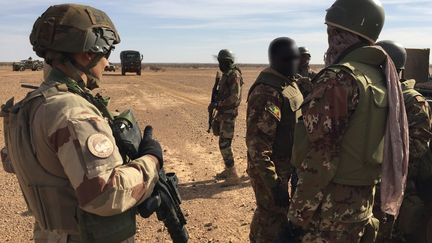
(274, 111)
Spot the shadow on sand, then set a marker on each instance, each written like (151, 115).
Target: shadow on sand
(112, 74)
(208, 188)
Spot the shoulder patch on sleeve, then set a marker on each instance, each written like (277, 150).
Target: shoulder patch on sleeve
(274, 111)
(100, 145)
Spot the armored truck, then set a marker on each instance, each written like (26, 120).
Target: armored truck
(130, 62)
(34, 65)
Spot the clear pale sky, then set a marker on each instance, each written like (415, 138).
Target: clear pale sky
(194, 30)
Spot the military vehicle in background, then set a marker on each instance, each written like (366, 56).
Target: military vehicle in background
(34, 65)
(130, 62)
(110, 68)
(417, 67)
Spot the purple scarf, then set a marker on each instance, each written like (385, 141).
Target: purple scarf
(395, 162)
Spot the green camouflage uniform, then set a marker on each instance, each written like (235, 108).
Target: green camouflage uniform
(229, 98)
(269, 137)
(412, 218)
(74, 144)
(329, 212)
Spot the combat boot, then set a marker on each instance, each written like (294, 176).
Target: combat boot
(223, 174)
(232, 177)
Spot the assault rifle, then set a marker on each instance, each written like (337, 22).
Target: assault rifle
(165, 200)
(213, 102)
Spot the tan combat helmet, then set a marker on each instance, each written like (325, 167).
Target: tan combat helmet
(361, 17)
(73, 28)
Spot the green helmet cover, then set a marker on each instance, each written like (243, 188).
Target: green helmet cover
(225, 54)
(73, 28)
(361, 17)
(396, 51)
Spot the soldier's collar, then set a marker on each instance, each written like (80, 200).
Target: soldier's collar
(287, 80)
(58, 76)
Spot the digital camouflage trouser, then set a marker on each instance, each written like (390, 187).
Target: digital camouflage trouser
(223, 126)
(344, 215)
(268, 218)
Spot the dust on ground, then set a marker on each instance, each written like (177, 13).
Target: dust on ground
(175, 103)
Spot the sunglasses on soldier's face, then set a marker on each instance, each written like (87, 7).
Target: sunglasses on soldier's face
(108, 53)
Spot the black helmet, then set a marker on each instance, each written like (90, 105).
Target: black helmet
(225, 54)
(361, 17)
(396, 51)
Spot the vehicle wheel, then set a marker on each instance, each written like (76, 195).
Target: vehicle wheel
(123, 72)
(139, 72)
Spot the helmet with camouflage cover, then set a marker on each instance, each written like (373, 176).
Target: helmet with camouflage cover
(73, 28)
(225, 54)
(396, 51)
(361, 17)
(304, 51)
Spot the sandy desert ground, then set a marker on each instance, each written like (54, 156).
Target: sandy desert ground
(175, 103)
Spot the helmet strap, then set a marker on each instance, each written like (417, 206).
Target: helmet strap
(92, 80)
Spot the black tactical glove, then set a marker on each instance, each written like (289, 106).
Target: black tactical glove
(150, 146)
(290, 233)
(280, 194)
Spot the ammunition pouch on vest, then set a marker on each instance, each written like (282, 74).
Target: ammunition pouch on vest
(111, 229)
(52, 199)
(292, 100)
(362, 146)
(128, 134)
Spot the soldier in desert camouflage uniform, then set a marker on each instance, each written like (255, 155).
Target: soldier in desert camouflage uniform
(273, 103)
(62, 147)
(412, 221)
(228, 101)
(339, 149)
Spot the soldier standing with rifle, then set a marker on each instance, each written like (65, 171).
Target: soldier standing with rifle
(226, 101)
(273, 108)
(82, 171)
(416, 210)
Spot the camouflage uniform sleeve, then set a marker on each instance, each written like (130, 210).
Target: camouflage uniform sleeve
(85, 147)
(263, 116)
(419, 122)
(326, 113)
(232, 91)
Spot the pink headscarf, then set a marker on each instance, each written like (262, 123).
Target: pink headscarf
(396, 144)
